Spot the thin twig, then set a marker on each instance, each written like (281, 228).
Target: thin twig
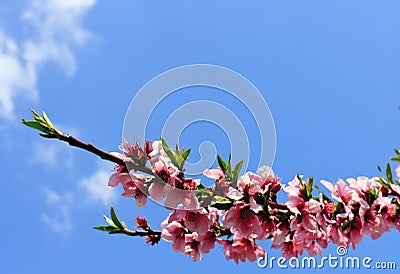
(72, 141)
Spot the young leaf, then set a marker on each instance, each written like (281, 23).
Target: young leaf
(389, 174)
(109, 221)
(35, 115)
(47, 120)
(108, 229)
(222, 164)
(176, 150)
(34, 125)
(229, 166)
(310, 187)
(114, 218)
(222, 203)
(185, 154)
(169, 152)
(236, 170)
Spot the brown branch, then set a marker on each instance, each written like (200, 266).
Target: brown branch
(72, 141)
(278, 206)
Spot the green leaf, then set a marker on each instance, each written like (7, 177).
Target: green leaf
(33, 124)
(101, 227)
(203, 193)
(389, 174)
(229, 167)
(310, 187)
(47, 120)
(114, 218)
(383, 182)
(42, 124)
(260, 199)
(222, 203)
(106, 228)
(35, 114)
(177, 149)
(345, 223)
(109, 221)
(124, 225)
(169, 152)
(222, 164)
(379, 168)
(236, 170)
(397, 158)
(185, 154)
(179, 162)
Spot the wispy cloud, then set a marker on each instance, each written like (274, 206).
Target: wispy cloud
(12, 70)
(52, 154)
(56, 26)
(96, 187)
(58, 216)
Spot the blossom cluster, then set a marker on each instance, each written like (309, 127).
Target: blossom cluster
(239, 211)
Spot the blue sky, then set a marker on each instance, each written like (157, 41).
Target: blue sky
(329, 72)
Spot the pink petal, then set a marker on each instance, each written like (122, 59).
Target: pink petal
(114, 180)
(214, 173)
(156, 191)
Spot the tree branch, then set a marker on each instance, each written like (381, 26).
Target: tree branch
(72, 141)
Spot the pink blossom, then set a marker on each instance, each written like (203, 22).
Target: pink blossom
(195, 221)
(355, 232)
(289, 250)
(207, 241)
(192, 246)
(336, 235)
(243, 219)
(373, 223)
(132, 188)
(265, 172)
(396, 189)
(157, 191)
(240, 249)
(341, 191)
(134, 151)
(174, 232)
(267, 227)
(363, 184)
(115, 178)
(133, 184)
(214, 173)
(279, 235)
(270, 181)
(176, 197)
(306, 239)
(250, 183)
(157, 149)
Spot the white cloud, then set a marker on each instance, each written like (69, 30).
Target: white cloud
(52, 154)
(96, 187)
(58, 217)
(17, 79)
(56, 26)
